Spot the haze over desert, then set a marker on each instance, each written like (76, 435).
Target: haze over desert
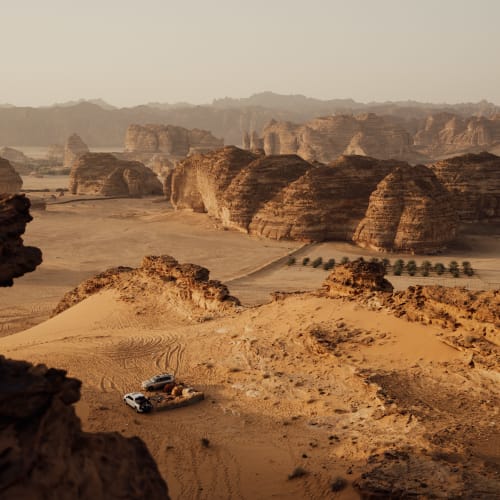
(250, 251)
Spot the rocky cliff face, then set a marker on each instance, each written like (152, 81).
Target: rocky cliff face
(199, 182)
(326, 203)
(325, 139)
(104, 174)
(286, 197)
(410, 211)
(10, 180)
(169, 139)
(161, 279)
(15, 258)
(474, 183)
(45, 454)
(73, 149)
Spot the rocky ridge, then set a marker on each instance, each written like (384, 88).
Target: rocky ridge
(10, 180)
(104, 174)
(161, 279)
(286, 197)
(45, 454)
(73, 149)
(16, 259)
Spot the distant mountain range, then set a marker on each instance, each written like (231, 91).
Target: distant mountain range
(101, 124)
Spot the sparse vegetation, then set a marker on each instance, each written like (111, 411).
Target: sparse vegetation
(338, 484)
(329, 264)
(297, 472)
(305, 261)
(411, 267)
(317, 262)
(425, 268)
(467, 268)
(439, 268)
(344, 260)
(205, 442)
(291, 261)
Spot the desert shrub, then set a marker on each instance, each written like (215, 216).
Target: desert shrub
(386, 263)
(297, 472)
(305, 261)
(398, 267)
(338, 484)
(317, 262)
(290, 261)
(205, 442)
(439, 268)
(330, 264)
(425, 268)
(397, 271)
(344, 260)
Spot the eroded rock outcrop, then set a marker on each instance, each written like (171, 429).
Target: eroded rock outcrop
(45, 454)
(104, 174)
(410, 211)
(286, 197)
(169, 139)
(73, 149)
(474, 183)
(162, 279)
(326, 203)
(15, 258)
(355, 278)
(10, 180)
(325, 139)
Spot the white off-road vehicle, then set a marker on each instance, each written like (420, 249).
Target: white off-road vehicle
(158, 382)
(138, 402)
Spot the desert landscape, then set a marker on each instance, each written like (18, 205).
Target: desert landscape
(263, 264)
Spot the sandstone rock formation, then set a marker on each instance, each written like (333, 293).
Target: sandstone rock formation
(15, 258)
(162, 279)
(325, 139)
(446, 134)
(104, 174)
(14, 156)
(55, 153)
(474, 183)
(73, 149)
(410, 211)
(355, 278)
(10, 180)
(285, 197)
(45, 454)
(169, 139)
(326, 203)
(199, 182)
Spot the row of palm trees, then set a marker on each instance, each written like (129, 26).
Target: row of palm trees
(398, 267)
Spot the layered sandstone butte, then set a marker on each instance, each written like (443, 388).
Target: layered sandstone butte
(45, 454)
(474, 183)
(199, 182)
(14, 156)
(326, 203)
(162, 279)
(410, 211)
(73, 149)
(325, 139)
(169, 139)
(10, 180)
(103, 174)
(445, 134)
(15, 258)
(286, 197)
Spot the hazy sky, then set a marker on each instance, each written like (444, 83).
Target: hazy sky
(131, 52)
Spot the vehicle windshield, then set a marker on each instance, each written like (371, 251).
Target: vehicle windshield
(141, 399)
